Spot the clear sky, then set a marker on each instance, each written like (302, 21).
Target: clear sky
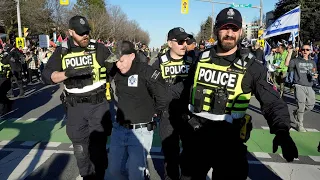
(159, 16)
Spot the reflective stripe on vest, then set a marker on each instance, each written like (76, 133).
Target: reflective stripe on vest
(82, 60)
(211, 76)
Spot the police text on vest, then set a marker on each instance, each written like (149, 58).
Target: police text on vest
(218, 78)
(79, 61)
(176, 70)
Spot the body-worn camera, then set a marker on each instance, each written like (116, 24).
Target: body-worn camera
(219, 99)
(151, 125)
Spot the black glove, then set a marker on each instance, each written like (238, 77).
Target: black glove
(289, 148)
(72, 72)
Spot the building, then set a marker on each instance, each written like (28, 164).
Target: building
(269, 18)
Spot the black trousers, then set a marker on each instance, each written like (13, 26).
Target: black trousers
(88, 126)
(171, 131)
(216, 145)
(5, 103)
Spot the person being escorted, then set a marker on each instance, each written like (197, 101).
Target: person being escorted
(142, 95)
(304, 75)
(222, 85)
(80, 64)
(174, 66)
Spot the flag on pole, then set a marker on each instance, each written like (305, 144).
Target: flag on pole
(287, 23)
(268, 57)
(267, 48)
(292, 38)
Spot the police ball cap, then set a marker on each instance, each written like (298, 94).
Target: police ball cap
(228, 16)
(79, 24)
(178, 33)
(122, 48)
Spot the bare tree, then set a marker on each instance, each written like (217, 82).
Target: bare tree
(8, 16)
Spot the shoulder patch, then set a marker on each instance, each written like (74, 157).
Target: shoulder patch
(269, 78)
(155, 75)
(239, 62)
(133, 80)
(205, 54)
(164, 58)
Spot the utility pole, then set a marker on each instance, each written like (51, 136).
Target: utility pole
(19, 19)
(261, 13)
(212, 22)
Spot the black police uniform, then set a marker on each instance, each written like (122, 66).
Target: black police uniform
(14, 59)
(88, 117)
(136, 101)
(5, 86)
(217, 144)
(171, 124)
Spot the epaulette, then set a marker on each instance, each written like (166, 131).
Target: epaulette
(205, 55)
(245, 61)
(92, 44)
(163, 59)
(65, 48)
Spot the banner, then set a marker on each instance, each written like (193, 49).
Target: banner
(287, 23)
(44, 41)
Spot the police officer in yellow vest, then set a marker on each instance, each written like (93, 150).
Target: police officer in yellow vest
(221, 87)
(174, 65)
(80, 64)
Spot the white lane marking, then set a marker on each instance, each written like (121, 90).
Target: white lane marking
(261, 155)
(267, 128)
(315, 158)
(53, 144)
(20, 163)
(5, 142)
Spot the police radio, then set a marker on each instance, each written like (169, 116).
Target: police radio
(219, 99)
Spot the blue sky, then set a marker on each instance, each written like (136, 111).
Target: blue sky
(159, 16)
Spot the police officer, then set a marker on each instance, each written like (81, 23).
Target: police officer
(13, 57)
(174, 65)
(137, 85)
(5, 84)
(80, 64)
(144, 53)
(222, 85)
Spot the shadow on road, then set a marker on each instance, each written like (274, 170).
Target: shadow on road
(36, 133)
(40, 96)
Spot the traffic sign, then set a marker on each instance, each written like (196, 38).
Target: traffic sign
(64, 2)
(253, 27)
(233, 5)
(184, 6)
(19, 42)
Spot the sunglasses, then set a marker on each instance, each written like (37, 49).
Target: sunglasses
(180, 42)
(84, 33)
(305, 49)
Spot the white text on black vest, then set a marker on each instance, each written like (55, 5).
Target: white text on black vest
(218, 78)
(79, 61)
(176, 70)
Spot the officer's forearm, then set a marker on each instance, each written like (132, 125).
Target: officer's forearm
(58, 77)
(277, 116)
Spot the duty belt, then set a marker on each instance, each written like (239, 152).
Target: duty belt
(133, 126)
(93, 98)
